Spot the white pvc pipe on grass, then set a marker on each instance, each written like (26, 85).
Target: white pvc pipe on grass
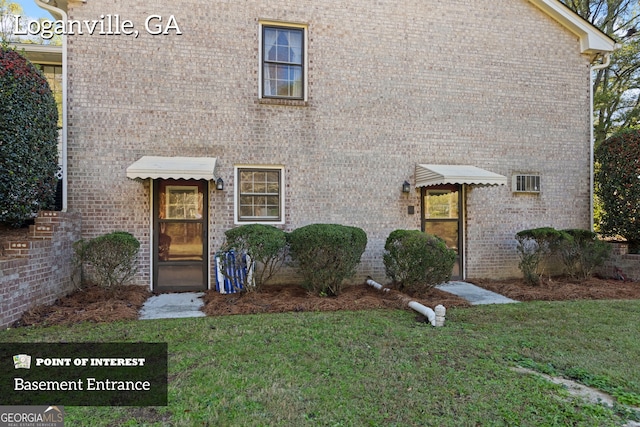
(435, 317)
(425, 311)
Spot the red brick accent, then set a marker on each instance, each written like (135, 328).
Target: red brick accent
(38, 270)
(621, 264)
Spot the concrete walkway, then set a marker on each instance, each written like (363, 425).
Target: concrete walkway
(173, 306)
(474, 294)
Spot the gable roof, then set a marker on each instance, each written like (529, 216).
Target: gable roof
(592, 40)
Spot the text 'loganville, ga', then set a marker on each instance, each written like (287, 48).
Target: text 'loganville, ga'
(107, 25)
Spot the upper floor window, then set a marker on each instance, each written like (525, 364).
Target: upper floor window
(283, 62)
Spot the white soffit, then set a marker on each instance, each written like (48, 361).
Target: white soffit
(156, 167)
(592, 40)
(41, 54)
(427, 175)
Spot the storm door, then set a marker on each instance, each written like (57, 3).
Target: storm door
(180, 235)
(442, 217)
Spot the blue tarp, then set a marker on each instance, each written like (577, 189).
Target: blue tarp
(233, 272)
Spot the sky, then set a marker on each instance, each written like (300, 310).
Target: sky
(32, 10)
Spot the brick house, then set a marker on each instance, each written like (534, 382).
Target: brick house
(188, 118)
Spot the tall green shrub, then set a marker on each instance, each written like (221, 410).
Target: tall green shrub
(417, 261)
(113, 257)
(28, 139)
(265, 244)
(618, 186)
(326, 255)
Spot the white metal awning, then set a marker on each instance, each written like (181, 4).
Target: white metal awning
(155, 167)
(427, 175)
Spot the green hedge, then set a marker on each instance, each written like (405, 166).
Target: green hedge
(579, 251)
(618, 186)
(28, 139)
(417, 261)
(326, 255)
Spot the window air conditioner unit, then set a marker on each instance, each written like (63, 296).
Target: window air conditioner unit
(526, 183)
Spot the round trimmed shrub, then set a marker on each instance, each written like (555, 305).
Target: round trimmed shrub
(28, 139)
(417, 261)
(326, 255)
(618, 186)
(113, 257)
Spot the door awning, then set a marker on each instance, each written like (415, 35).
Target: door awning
(155, 167)
(427, 175)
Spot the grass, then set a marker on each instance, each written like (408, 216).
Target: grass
(379, 368)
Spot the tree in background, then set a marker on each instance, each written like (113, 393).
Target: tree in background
(618, 186)
(616, 88)
(28, 139)
(7, 12)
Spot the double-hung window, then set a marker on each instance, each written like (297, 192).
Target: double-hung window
(259, 194)
(283, 62)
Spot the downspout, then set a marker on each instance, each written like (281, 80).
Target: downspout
(56, 12)
(606, 62)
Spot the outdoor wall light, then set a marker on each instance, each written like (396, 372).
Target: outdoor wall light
(406, 187)
(219, 184)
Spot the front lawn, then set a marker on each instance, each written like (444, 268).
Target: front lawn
(379, 367)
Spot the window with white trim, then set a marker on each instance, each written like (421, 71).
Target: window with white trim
(259, 194)
(283, 61)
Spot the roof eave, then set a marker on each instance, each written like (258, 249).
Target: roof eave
(592, 40)
(41, 54)
(59, 4)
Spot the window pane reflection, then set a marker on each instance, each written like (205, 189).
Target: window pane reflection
(446, 230)
(441, 204)
(180, 242)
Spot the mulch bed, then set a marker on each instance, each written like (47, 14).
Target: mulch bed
(95, 304)
(562, 289)
(90, 304)
(288, 298)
